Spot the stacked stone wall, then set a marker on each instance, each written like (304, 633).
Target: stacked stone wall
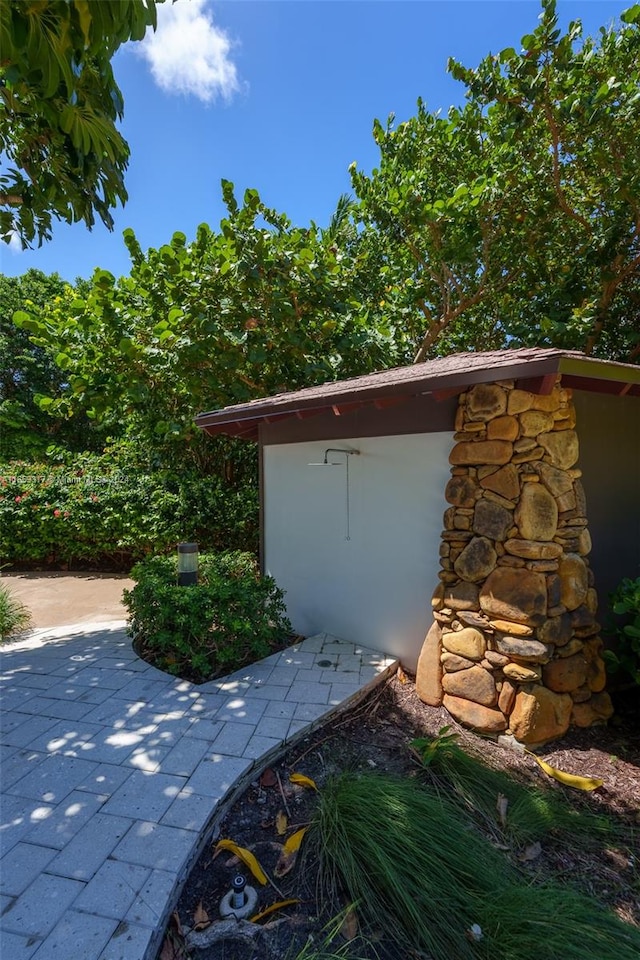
(515, 645)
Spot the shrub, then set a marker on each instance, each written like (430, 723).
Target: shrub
(105, 510)
(231, 617)
(14, 616)
(625, 604)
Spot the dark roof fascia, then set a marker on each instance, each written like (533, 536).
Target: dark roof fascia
(345, 393)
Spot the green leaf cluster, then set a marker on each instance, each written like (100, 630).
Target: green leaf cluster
(516, 218)
(257, 307)
(27, 371)
(62, 154)
(112, 509)
(231, 617)
(624, 627)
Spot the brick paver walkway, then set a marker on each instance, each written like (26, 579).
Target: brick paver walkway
(113, 773)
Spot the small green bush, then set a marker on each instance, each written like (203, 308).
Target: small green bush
(625, 604)
(14, 616)
(231, 617)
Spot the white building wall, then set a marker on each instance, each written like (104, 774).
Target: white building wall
(374, 588)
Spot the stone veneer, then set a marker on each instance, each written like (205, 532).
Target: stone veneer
(514, 645)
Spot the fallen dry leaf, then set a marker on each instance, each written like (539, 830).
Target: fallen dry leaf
(201, 919)
(303, 781)
(268, 778)
(569, 779)
(288, 857)
(281, 823)
(280, 905)
(292, 845)
(169, 949)
(247, 858)
(401, 675)
(501, 807)
(286, 863)
(532, 852)
(349, 926)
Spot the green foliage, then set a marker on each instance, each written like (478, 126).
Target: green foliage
(59, 103)
(259, 307)
(414, 863)
(327, 948)
(528, 812)
(111, 509)
(516, 218)
(14, 616)
(625, 604)
(231, 617)
(27, 370)
(431, 749)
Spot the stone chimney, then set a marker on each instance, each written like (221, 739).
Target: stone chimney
(514, 645)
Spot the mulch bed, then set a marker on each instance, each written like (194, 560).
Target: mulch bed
(375, 736)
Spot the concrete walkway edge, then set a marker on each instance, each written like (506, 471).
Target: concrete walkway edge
(115, 776)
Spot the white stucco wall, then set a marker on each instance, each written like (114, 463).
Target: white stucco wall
(374, 589)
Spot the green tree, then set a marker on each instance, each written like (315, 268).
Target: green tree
(258, 307)
(27, 370)
(62, 156)
(516, 218)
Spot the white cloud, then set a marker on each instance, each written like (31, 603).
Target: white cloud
(188, 54)
(15, 243)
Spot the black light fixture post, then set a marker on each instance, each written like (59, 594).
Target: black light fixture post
(187, 564)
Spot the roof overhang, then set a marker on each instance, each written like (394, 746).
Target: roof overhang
(532, 369)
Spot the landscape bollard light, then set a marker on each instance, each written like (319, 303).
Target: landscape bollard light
(187, 564)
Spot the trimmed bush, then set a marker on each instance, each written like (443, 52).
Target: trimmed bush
(231, 617)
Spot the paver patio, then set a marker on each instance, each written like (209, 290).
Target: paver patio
(112, 774)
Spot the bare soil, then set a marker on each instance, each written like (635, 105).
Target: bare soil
(375, 736)
(58, 599)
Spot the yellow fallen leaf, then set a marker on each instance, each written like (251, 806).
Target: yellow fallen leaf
(246, 856)
(281, 823)
(287, 859)
(303, 781)
(292, 845)
(280, 905)
(201, 918)
(569, 779)
(402, 678)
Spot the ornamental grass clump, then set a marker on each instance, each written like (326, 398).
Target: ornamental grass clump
(415, 866)
(516, 812)
(420, 871)
(14, 616)
(231, 617)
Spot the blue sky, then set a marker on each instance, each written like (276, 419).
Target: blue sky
(279, 96)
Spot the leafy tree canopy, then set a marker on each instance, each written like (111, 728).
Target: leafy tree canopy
(258, 307)
(27, 370)
(516, 218)
(61, 154)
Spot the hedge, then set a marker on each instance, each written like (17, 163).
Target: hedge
(92, 511)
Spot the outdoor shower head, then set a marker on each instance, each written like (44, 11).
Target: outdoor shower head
(333, 463)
